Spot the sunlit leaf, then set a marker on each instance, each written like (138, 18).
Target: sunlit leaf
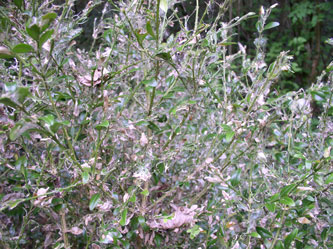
(94, 201)
(123, 217)
(229, 133)
(85, 177)
(48, 119)
(50, 16)
(103, 125)
(164, 5)
(150, 82)
(287, 201)
(255, 235)
(270, 207)
(271, 25)
(145, 192)
(329, 179)
(194, 231)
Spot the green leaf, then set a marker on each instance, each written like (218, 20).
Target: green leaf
(23, 93)
(5, 53)
(139, 36)
(226, 43)
(150, 30)
(165, 56)
(50, 16)
(18, 3)
(287, 201)
(153, 127)
(48, 119)
(235, 178)
(271, 25)
(329, 41)
(47, 19)
(287, 189)
(290, 237)
(270, 206)
(123, 217)
(329, 179)
(318, 179)
(279, 245)
(94, 201)
(229, 132)
(85, 177)
(151, 82)
(259, 26)
(19, 129)
(103, 125)
(255, 235)
(132, 199)
(22, 48)
(45, 36)
(13, 203)
(194, 231)
(264, 233)
(164, 5)
(324, 234)
(145, 192)
(8, 102)
(34, 32)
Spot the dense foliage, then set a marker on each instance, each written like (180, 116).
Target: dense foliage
(146, 141)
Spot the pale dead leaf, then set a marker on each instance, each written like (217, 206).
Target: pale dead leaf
(42, 199)
(125, 197)
(42, 191)
(4, 51)
(47, 46)
(226, 195)
(214, 179)
(305, 188)
(105, 100)
(182, 216)
(105, 207)
(92, 80)
(87, 219)
(48, 240)
(76, 109)
(94, 246)
(303, 220)
(143, 140)
(76, 231)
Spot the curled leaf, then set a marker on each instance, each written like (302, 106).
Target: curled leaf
(182, 216)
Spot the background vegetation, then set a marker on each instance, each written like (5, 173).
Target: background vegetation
(206, 135)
